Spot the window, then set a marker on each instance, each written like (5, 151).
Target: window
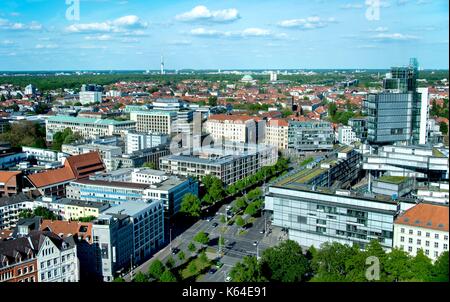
(445, 246)
(55, 261)
(410, 249)
(427, 234)
(49, 274)
(436, 245)
(427, 252)
(436, 254)
(42, 276)
(402, 239)
(419, 233)
(427, 243)
(410, 232)
(436, 236)
(445, 237)
(419, 241)
(19, 272)
(410, 240)
(25, 270)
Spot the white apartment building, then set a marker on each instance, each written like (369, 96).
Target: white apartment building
(424, 226)
(148, 176)
(154, 121)
(135, 141)
(10, 208)
(57, 259)
(86, 127)
(277, 133)
(233, 128)
(346, 135)
(89, 97)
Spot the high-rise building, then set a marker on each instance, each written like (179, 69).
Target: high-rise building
(162, 65)
(310, 136)
(399, 113)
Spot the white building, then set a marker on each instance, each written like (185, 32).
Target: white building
(44, 155)
(148, 176)
(10, 208)
(424, 226)
(232, 128)
(273, 76)
(277, 133)
(87, 127)
(30, 90)
(346, 135)
(89, 97)
(114, 93)
(154, 121)
(57, 259)
(107, 152)
(138, 141)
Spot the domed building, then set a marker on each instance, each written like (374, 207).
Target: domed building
(248, 79)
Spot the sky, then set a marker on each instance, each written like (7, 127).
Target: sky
(222, 34)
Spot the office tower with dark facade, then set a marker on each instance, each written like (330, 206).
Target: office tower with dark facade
(399, 113)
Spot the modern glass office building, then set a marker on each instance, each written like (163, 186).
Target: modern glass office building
(399, 113)
(313, 217)
(310, 136)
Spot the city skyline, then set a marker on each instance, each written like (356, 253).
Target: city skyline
(133, 35)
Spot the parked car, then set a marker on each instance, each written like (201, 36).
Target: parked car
(228, 279)
(255, 243)
(212, 271)
(215, 224)
(175, 250)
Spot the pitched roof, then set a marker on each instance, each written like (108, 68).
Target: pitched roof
(50, 177)
(84, 165)
(5, 234)
(277, 123)
(425, 215)
(68, 228)
(11, 249)
(233, 118)
(5, 176)
(7, 200)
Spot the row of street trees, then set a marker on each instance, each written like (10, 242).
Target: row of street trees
(335, 262)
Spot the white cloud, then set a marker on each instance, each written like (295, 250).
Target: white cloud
(255, 32)
(394, 37)
(124, 24)
(180, 42)
(46, 46)
(352, 6)
(206, 32)
(7, 42)
(379, 29)
(202, 13)
(98, 38)
(307, 23)
(245, 33)
(17, 26)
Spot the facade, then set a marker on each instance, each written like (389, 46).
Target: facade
(148, 176)
(57, 259)
(395, 186)
(139, 141)
(421, 162)
(346, 135)
(227, 164)
(107, 152)
(10, 208)
(340, 169)
(359, 126)
(314, 217)
(424, 226)
(18, 261)
(399, 113)
(277, 133)
(235, 128)
(89, 97)
(131, 232)
(434, 192)
(87, 127)
(44, 156)
(75, 209)
(310, 136)
(138, 158)
(10, 183)
(53, 182)
(154, 121)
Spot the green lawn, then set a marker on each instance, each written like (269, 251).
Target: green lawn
(201, 266)
(393, 179)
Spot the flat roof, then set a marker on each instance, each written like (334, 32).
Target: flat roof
(128, 208)
(117, 184)
(393, 179)
(86, 120)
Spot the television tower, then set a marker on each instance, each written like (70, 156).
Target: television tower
(162, 65)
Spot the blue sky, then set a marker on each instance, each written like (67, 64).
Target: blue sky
(225, 34)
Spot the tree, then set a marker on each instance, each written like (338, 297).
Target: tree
(156, 269)
(240, 222)
(285, 263)
(2, 98)
(26, 214)
(167, 276)
(398, 266)
(44, 213)
(191, 205)
(443, 127)
(332, 109)
(119, 279)
(214, 187)
(252, 209)
(25, 133)
(150, 165)
(201, 238)
(181, 255)
(247, 271)
(421, 267)
(212, 101)
(191, 247)
(192, 268)
(240, 203)
(140, 277)
(440, 268)
(64, 137)
(203, 258)
(170, 263)
(329, 263)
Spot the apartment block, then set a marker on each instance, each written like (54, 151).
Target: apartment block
(154, 121)
(277, 131)
(310, 136)
(235, 128)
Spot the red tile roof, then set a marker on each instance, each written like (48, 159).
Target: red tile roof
(84, 165)
(68, 228)
(424, 215)
(5, 176)
(51, 177)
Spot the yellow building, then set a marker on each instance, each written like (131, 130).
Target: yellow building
(76, 209)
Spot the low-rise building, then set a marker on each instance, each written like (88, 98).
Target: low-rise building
(139, 141)
(346, 135)
(235, 128)
(10, 208)
(138, 158)
(10, 183)
(87, 127)
(423, 227)
(18, 261)
(277, 133)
